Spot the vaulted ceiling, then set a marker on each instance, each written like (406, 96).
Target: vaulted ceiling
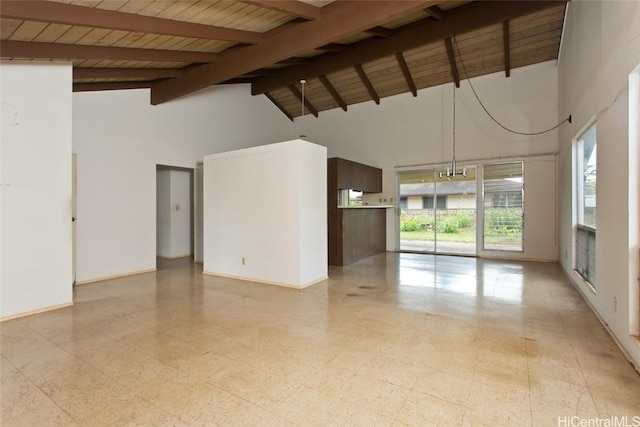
(347, 52)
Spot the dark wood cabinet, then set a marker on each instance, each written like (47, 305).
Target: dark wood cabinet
(354, 232)
(356, 176)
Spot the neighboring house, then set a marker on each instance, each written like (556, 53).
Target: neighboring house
(459, 195)
(450, 195)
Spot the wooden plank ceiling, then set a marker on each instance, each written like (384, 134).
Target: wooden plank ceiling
(346, 51)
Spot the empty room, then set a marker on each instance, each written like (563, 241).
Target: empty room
(319, 213)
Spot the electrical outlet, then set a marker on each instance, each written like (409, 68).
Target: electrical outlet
(243, 261)
(615, 304)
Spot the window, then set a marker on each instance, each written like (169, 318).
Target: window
(503, 193)
(403, 203)
(441, 202)
(585, 188)
(507, 199)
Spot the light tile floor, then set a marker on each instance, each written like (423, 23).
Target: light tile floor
(394, 340)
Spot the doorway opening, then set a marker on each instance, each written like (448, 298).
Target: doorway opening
(74, 215)
(174, 213)
(438, 213)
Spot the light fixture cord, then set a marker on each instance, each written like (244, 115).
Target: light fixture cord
(302, 82)
(568, 119)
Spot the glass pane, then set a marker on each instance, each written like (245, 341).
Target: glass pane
(585, 187)
(587, 173)
(438, 214)
(456, 213)
(417, 220)
(503, 210)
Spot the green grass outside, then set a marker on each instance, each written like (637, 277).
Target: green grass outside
(464, 236)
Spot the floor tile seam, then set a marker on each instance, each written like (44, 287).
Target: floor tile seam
(473, 377)
(464, 405)
(529, 386)
(55, 402)
(47, 338)
(361, 406)
(15, 368)
(467, 408)
(151, 356)
(283, 416)
(73, 356)
(555, 378)
(207, 383)
(587, 384)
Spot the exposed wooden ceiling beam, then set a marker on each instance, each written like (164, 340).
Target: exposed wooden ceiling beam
(507, 48)
(262, 72)
(19, 49)
(333, 47)
(296, 8)
(296, 60)
(296, 92)
(367, 83)
(435, 12)
(452, 61)
(237, 80)
(334, 93)
(90, 87)
(337, 20)
(277, 104)
(465, 18)
(120, 73)
(69, 14)
(407, 73)
(380, 31)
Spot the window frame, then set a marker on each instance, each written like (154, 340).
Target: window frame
(588, 275)
(482, 207)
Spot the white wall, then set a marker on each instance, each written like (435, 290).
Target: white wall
(35, 188)
(600, 49)
(265, 213)
(120, 138)
(405, 130)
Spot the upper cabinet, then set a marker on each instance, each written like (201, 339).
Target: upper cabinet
(356, 176)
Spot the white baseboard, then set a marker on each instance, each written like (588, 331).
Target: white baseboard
(40, 310)
(267, 282)
(173, 257)
(116, 276)
(604, 324)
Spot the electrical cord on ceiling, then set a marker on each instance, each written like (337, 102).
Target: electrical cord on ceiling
(464, 70)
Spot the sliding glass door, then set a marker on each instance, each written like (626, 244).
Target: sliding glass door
(503, 193)
(438, 213)
(417, 217)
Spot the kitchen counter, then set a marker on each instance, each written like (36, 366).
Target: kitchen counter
(354, 232)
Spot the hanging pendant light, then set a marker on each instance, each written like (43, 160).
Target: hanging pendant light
(302, 83)
(453, 171)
